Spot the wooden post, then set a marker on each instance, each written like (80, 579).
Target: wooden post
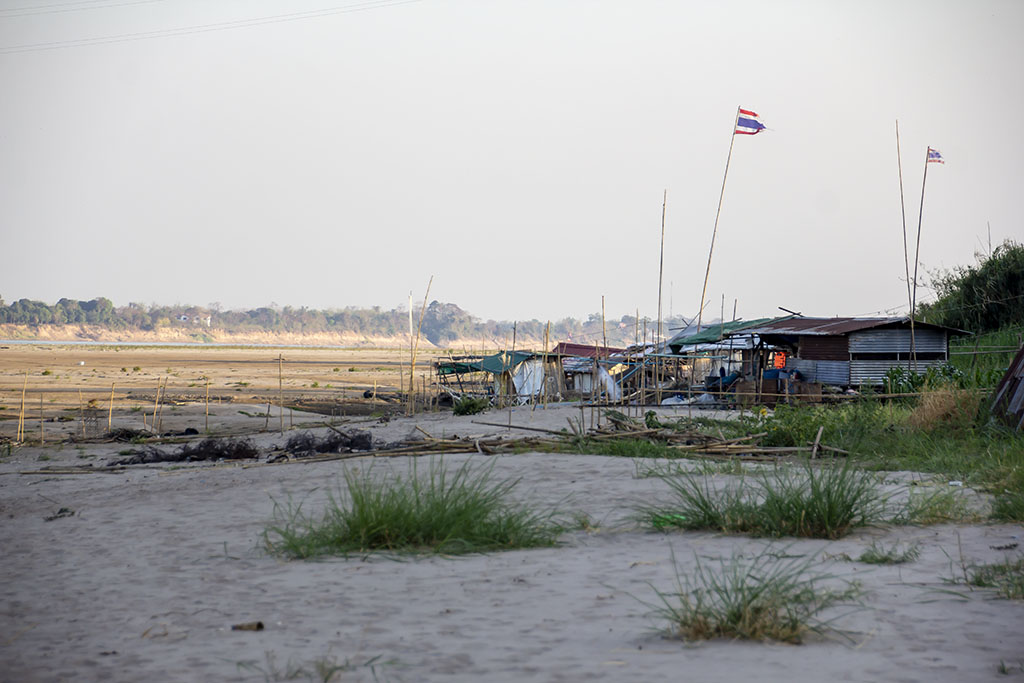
(266, 421)
(280, 390)
(110, 410)
(42, 437)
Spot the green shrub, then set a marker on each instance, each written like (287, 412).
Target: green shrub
(470, 405)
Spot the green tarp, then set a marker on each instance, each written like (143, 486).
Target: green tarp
(496, 364)
(716, 333)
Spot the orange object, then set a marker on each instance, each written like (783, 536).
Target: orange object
(780, 360)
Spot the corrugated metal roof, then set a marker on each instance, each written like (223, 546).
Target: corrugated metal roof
(833, 326)
(583, 350)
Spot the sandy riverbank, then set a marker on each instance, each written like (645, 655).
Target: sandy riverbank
(145, 579)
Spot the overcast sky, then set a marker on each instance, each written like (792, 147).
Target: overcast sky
(516, 150)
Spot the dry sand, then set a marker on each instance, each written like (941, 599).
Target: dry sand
(145, 579)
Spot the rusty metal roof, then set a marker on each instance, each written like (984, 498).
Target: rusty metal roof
(584, 350)
(831, 327)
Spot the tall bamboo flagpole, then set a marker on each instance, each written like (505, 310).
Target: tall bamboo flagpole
(930, 156)
(661, 269)
(906, 254)
(707, 272)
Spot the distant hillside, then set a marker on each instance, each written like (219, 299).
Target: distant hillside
(445, 325)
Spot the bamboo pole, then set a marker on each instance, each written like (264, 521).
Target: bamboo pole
(160, 412)
(415, 349)
(511, 375)
(207, 425)
(903, 215)
(156, 403)
(917, 255)
(721, 196)
(81, 412)
(42, 436)
(21, 415)
(661, 269)
(110, 410)
(280, 390)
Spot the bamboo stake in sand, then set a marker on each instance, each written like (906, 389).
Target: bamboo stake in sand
(21, 416)
(207, 428)
(156, 403)
(81, 412)
(42, 438)
(415, 349)
(110, 410)
(160, 409)
(280, 389)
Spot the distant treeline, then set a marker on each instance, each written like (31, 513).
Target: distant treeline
(443, 323)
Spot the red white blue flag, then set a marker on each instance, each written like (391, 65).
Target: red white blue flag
(748, 123)
(935, 157)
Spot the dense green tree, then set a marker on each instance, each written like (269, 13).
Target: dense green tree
(982, 297)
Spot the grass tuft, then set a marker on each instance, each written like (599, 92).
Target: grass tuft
(1008, 507)
(1006, 577)
(945, 407)
(769, 597)
(935, 507)
(877, 553)
(826, 502)
(461, 510)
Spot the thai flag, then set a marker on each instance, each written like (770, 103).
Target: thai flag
(935, 156)
(748, 123)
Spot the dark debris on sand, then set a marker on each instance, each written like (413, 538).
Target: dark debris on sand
(307, 444)
(207, 449)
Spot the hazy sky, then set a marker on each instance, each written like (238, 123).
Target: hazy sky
(516, 150)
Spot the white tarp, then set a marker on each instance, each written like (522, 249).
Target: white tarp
(606, 383)
(529, 377)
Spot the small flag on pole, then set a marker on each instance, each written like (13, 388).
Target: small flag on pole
(748, 123)
(935, 157)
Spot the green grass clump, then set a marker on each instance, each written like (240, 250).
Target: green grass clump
(461, 510)
(826, 502)
(469, 405)
(1008, 507)
(878, 553)
(768, 597)
(1007, 577)
(935, 507)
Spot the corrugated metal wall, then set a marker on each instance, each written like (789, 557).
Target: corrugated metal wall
(823, 348)
(873, 371)
(897, 341)
(836, 372)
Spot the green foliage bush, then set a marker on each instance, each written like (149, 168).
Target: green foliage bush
(470, 405)
(983, 297)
